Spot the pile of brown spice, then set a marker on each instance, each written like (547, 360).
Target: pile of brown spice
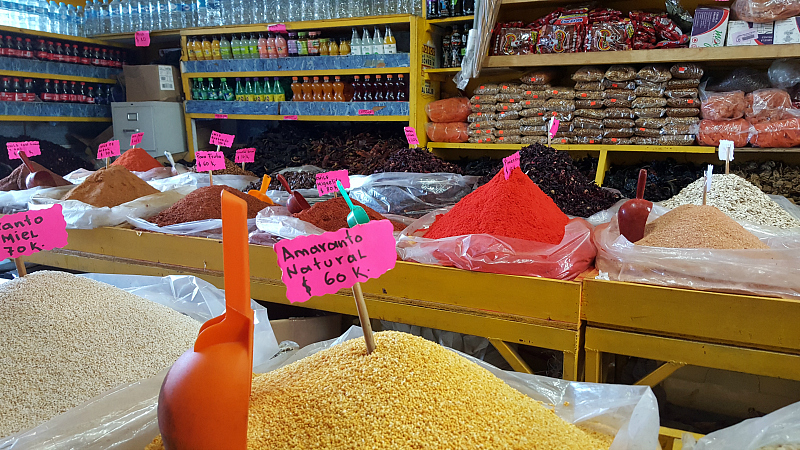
(203, 204)
(110, 187)
(231, 168)
(331, 215)
(16, 180)
(137, 160)
(695, 226)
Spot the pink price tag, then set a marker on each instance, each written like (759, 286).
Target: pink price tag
(411, 136)
(142, 38)
(220, 116)
(326, 182)
(33, 231)
(136, 139)
(245, 155)
(31, 148)
(289, 117)
(208, 161)
(221, 139)
(366, 112)
(316, 265)
(510, 163)
(554, 128)
(277, 28)
(108, 149)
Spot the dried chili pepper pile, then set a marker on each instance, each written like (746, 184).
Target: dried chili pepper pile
(664, 178)
(416, 160)
(59, 159)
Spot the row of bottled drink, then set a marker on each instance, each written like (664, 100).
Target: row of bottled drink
(251, 90)
(324, 90)
(454, 45)
(56, 52)
(436, 9)
(123, 16)
(28, 90)
(43, 15)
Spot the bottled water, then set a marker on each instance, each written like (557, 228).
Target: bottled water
(214, 13)
(79, 14)
(133, 15)
(63, 18)
(30, 14)
(43, 21)
(115, 16)
(21, 16)
(184, 14)
(306, 10)
(105, 19)
(89, 18)
(72, 20)
(292, 10)
(127, 26)
(201, 13)
(155, 17)
(236, 12)
(322, 9)
(163, 14)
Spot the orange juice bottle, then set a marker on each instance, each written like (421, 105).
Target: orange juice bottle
(297, 90)
(327, 90)
(344, 47)
(338, 90)
(197, 48)
(189, 51)
(316, 86)
(215, 49)
(333, 48)
(206, 46)
(308, 96)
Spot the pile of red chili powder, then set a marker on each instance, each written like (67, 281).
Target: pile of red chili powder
(202, 204)
(331, 215)
(514, 208)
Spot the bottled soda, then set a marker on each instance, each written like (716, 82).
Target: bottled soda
(240, 94)
(278, 94)
(47, 92)
(212, 90)
(227, 92)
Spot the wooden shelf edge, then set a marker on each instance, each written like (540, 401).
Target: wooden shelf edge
(306, 25)
(305, 118)
(297, 73)
(63, 37)
(698, 149)
(446, 20)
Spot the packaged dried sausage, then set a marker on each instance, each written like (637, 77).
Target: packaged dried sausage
(532, 103)
(533, 112)
(480, 132)
(650, 112)
(679, 128)
(488, 99)
(447, 110)
(516, 41)
(590, 113)
(618, 123)
(650, 122)
(560, 105)
(584, 140)
(588, 86)
(641, 140)
(682, 93)
(620, 94)
(532, 121)
(763, 11)
(777, 134)
(588, 104)
(533, 130)
(507, 124)
(683, 102)
(488, 88)
(710, 132)
(649, 102)
(535, 95)
(683, 112)
(617, 141)
(447, 132)
(608, 36)
(586, 122)
(767, 104)
(617, 103)
(648, 91)
(558, 39)
(676, 83)
(510, 88)
(609, 84)
(507, 115)
(483, 107)
(509, 132)
(654, 73)
(509, 139)
(723, 105)
(561, 92)
(588, 74)
(538, 77)
(481, 125)
(481, 117)
(619, 113)
(506, 107)
(647, 132)
(676, 139)
(620, 73)
(531, 140)
(509, 97)
(686, 71)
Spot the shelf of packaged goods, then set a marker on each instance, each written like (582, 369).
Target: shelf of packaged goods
(54, 76)
(449, 20)
(53, 119)
(719, 54)
(62, 37)
(305, 118)
(306, 25)
(299, 73)
(525, 310)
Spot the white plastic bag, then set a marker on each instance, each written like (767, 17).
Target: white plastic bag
(78, 176)
(198, 180)
(276, 221)
(777, 428)
(83, 216)
(125, 417)
(16, 201)
(210, 228)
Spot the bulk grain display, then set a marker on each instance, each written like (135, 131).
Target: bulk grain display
(110, 187)
(66, 339)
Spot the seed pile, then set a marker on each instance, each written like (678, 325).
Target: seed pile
(737, 198)
(110, 187)
(331, 215)
(202, 204)
(137, 160)
(409, 393)
(693, 226)
(65, 339)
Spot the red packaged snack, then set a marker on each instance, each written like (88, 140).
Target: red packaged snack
(777, 134)
(447, 132)
(608, 36)
(667, 29)
(516, 41)
(767, 104)
(713, 131)
(557, 39)
(454, 109)
(723, 105)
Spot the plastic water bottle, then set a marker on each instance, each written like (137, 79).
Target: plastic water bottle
(79, 18)
(292, 12)
(40, 10)
(30, 14)
(103, 17)
(200, 13)
(306, 10)
(184, 14)
(115, 17)
(88, 18)
(214, 13)
(63, 18)
(322, 9)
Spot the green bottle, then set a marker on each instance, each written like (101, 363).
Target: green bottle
(266, 93)
(249, 91)
(240, 95)
(227, 92)
(278, 94)
(252, 46)
(195, 92)
(212, 90)
(203, 90)
(236, 47)
(225, 48)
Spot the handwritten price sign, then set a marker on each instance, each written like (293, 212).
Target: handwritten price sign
(208, 161)
(142, 38)
(510, 163)
(277, 28)
(554, 123)
(323, 264)
(136, 139)
(411, 136)
(108, 149)
(326, 182)
(289, 117)
(245, 155)
(31, 148)
(33, 231)
(366, 112)
(221, 139)
(220, 116)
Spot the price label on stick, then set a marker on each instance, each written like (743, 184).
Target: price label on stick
(553, 127)
(411, 136)
(709, 173)
(33, 231)
(725, 150)
(221, 139)
(245, 155)
(142, 38)
(31, 148)
(323, 264)
(136, 139)
(289, 117)
(108, 149)
(277, 28)
(326, 182)
(208, 161)
(510, 163)
(220, 116)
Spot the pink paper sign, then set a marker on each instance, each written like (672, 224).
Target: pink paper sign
(277, 28)
(326, 182)
(208, 161)
(33, 231)
(366, 112)
(553, 127)
(136, 138)
(221, 139)
(245, 155)
(220, 116)
(289, 117)
(31, 148)
(510, 163)
(411, 136)
(316, 265)
(142, 38)
(108, 149)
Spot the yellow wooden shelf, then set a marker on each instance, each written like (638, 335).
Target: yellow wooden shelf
(53, 119)
(441, 69)
(306, 118)
(55, 76)
(449, 20)
(128, 37)
(306, 25)
(584, 148)
(299, 73)
(719, 54)
(62, 37)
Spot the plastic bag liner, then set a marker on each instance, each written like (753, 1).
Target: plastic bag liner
(78, 176)
(780, 427)
(630, 413)
(487, 253)
(83, 216)
(211, 228)
(276, 221)
(410, 194)
(198, 180)
(772, 273)
(125, 417)
(16, 201)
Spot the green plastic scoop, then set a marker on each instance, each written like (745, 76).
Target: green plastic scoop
(357, 215)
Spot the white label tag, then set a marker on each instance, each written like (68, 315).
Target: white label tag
(165, 81)
(725, 150)
(709, 174)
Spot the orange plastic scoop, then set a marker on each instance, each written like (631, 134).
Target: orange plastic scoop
(633, 214)
(260, 194)
(205, 396)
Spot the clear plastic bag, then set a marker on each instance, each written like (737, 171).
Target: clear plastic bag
(507, 124)
(488, 88)
(683, 102)
(506, 107)
(589, 86)
(620, 73)
(686, 71)
(620, 94)
(589, 95)
(531, 140)
(767, 104)
(781, 427)
(618, 123)
(763, 11)
(609, 84)
(480, 132)
(619, 113)
(593, 133)
(483, 98)
(532, 121)
(590, 113)
(723, 105)
(566, 93)
(536, 94)
(198, 180)
(588, 74)
(481, 116)
(617, 103)
(586, 122)
(481, 125)
(648, 91)
(125, 417)
(446, 132)
(532, 103)
(507, 132)
(649, 102)
(509, 139)
(683, 112)
(509, 115)
(783, 133)
(588, 104)
(533, 112)
(617, 141)
(560, 105)
(211, 228)
(650, 122)
(481, 107)
(773, 273)
(650, 112)
(784, 73)
(16, 201)
(534, 130)
(514, 97)
(486, 253)
(654, 73)
(679, 128)
(676, 139)
(677, 83)
(617, 132)
(710, 132)
(454, 109)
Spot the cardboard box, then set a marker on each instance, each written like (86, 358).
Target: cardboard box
(710, 27)
(749, 33)
(152, 83)
(307, 330)
(787, 31)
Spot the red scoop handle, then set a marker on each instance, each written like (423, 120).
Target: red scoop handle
(641, 184)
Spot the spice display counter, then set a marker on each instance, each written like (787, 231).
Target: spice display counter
(505, 309)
